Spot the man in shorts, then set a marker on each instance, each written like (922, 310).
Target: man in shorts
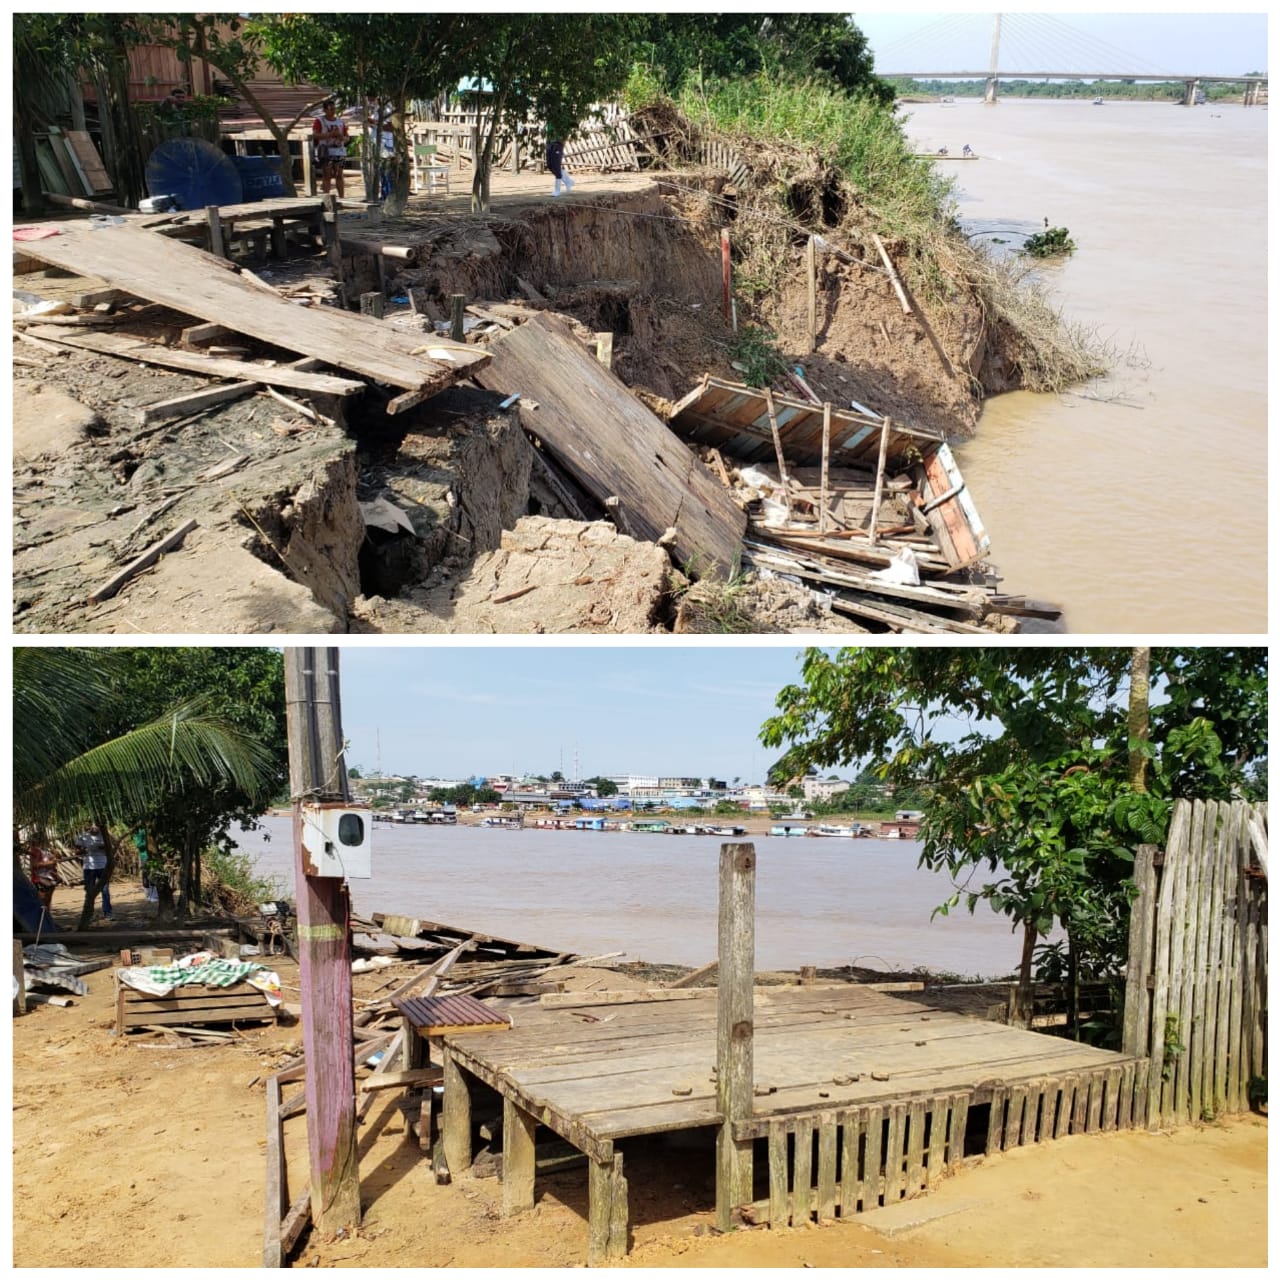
(329, 136)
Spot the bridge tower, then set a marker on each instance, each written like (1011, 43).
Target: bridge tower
(990, 97)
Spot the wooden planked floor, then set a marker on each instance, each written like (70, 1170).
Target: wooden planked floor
(618, 1070)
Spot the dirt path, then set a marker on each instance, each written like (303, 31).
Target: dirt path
(151, 1157)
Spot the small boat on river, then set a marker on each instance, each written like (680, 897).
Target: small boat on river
(788, 829)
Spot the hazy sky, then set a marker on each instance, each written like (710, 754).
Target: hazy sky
(1184, 42)
(453, 712)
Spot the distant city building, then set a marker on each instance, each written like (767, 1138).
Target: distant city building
(822, 789)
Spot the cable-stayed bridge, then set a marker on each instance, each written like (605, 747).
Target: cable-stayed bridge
(1038, 41)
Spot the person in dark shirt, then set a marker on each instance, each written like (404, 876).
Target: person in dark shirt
(555, 162)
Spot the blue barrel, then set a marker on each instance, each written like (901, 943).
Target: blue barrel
(260, 176)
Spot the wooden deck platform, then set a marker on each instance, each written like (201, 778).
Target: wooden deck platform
(861, 1096)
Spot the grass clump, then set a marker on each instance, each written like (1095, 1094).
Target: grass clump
(1052, 242)
(230, 881)
(754, 351)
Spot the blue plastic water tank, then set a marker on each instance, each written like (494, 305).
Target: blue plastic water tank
(194, 171)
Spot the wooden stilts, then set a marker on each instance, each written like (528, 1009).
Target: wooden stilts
(457, 329)
(456, 1115)
(217, 242)
(777, 448)
(824, 509)
(518, 1159)
(811, 263)
(879, 486)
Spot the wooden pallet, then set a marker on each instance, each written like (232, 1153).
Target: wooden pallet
(191, 1006)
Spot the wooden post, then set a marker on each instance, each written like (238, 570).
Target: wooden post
(456, 1118)
(518, 1158)
(217, 244)
(373, 304)
(735, 1028)
(607, 1211)
(777, 447)
(826, 459)
(811, 257)
(317, 771)
(604, 348)
(726, 274)
(308, 170)
(279, 243)
(875, 497)
(894, 278)
(457, 330)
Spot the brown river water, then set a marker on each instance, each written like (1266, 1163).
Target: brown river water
(823, 902)
(1148, 514)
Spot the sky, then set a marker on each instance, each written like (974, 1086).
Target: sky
(455, 712)
(1177, 43)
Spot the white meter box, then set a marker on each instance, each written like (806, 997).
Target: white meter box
(336, 841)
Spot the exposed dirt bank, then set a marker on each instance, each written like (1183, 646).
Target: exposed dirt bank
(146, 1157)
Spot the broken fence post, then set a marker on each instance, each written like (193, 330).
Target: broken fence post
(457, 330)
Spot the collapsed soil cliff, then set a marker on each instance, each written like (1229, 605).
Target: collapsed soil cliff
(285, 540)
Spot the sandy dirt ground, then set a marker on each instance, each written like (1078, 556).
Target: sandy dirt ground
(132, 1155)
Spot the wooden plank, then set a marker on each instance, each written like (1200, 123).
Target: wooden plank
(1136, 1038)
(1080, 1105)
(518, 1158)
(779, 1201)
(90, 162)
(696, 977)
(827, 1142)
(959, 1124)
(295, 1223)
(915, 1148)
(180, 406)
(802, 1179)
(851, 1126)
(872, 1184)
(735, 1027)
(180, 276)
(614, 446)
(1141, 1071)
(811, 275)
(895, 1153)
(1111, 1101)
(1198, 960)
(413, 1079)
(1237, 1081)
(939, 1115)
(1066, 1097)
(995, 1122)
(1186, 904)
(1094, 1120)
(114, 344)
(144, 561)
(1124, 1117)
(1175, 848)
(1224, 1053)
(276, 1201)
(1014, 1134)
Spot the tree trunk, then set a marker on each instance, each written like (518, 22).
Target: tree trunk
(1022, 1004)
(484, 158)
(1139, 715)
(399, 196)
(29, 169)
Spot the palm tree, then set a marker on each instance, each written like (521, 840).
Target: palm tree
(69, 769)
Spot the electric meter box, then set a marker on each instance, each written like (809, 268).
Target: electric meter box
(336, 841)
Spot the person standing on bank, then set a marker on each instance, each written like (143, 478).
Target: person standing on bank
(329, 135)
(555, 162)
(93, 853)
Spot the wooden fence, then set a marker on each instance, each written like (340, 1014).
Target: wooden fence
(1196, 989)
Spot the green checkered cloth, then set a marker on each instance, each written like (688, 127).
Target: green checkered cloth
(213, 973)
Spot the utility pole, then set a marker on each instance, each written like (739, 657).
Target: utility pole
(318, 773)
(990, 98)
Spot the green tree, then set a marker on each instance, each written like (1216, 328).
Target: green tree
(544, 66)
(85, 749)
(604, 787)
(390, 58)
(244, 687)
(1035, 795)
(681, 46)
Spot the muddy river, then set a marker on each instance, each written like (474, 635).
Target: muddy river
(821, 902)
(1147, 513)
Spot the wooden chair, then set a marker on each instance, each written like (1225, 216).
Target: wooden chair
(425, 166)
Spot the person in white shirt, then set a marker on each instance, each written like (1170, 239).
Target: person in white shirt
(329, 133)
(93, 854)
